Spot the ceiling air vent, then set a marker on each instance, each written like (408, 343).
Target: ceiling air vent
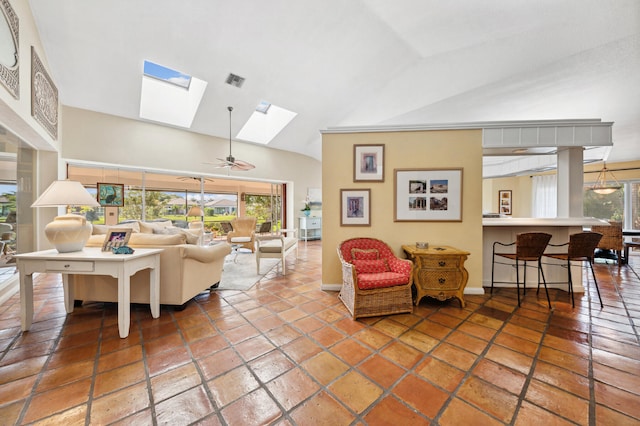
(235, 80)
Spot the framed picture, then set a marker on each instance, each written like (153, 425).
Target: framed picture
(116, 237)
(428, 195)
(111, 194)
(368, 163)
(504, 201)
(355, 207)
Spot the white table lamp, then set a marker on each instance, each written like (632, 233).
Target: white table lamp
(69, 232)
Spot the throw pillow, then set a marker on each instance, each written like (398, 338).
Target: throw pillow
(371, 266)
(173, 230)
(364, 254)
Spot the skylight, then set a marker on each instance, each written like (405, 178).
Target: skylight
(169, 96)
(265, 123)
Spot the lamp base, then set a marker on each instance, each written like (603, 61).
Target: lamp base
(68, 233)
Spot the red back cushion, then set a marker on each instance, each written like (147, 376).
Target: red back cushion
(371, 266)
(365, 254)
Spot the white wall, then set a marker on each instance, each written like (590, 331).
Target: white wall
(96, 137)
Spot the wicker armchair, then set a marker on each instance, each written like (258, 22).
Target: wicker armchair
(612, 238)
(243, 228)
(374, 281)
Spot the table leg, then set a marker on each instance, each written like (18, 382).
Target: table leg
(68, 293)
(26, 300)
(154, 286)
(124, 304)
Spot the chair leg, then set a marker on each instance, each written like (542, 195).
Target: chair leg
(524, 283)
(573, 303)
(596, 283)
(544, 280)
(493, 266)
(518, 278)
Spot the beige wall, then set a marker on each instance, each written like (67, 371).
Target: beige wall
(416, 149)
(520, 188)
(96, 137)
(15, 114)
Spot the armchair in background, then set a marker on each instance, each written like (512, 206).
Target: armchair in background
(244, 233)
(612, 238)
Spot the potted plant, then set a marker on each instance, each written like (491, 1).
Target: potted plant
(307, 207)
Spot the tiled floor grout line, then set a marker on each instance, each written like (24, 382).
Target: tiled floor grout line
(95, 372)
(592, 390)
(43, 370)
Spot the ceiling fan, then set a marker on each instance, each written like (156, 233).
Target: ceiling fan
(231, 162)
(193, 178)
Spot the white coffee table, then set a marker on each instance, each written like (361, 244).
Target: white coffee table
(90, 261)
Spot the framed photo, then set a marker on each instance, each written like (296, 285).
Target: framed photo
(368, 163)
(428, 195)
(504, 201)
(355, 207)
(116, 237)
(111, 194)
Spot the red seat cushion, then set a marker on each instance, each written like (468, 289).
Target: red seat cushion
(381, 280)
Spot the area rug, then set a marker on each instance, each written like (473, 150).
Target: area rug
(239, 273)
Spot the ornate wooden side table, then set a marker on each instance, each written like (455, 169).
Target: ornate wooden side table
(439, 272)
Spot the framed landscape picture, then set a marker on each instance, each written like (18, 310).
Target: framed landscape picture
(111, 194)
(368, 163)
(355, 207)
(428, 195)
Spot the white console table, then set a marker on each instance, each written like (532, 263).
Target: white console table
(90, 261)
(310, 228)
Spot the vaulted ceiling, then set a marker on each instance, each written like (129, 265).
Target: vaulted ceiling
(357, 62)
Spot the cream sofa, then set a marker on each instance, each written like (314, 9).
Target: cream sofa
(185, 269)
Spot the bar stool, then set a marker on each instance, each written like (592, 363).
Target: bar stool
(530, 247)
(580, 247)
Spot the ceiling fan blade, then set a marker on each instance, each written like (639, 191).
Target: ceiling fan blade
(242, 165)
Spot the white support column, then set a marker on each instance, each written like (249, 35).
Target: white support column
(570, 182)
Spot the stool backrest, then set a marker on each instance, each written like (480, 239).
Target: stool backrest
(531, 244)
(583, 244)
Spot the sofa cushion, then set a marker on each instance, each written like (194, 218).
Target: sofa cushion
(149, 227)
(103, 229)
(382, 280)
(172, 230)
(371, 266)
(364, 254)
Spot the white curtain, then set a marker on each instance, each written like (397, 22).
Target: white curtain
(545, 196)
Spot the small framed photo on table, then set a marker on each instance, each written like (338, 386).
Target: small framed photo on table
(355, 207)
(116, 237)
(368, 163)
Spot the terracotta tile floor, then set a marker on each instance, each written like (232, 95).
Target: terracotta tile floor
(287, 353)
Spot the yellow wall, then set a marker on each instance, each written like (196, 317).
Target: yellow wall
(414, 149)
(520, 187)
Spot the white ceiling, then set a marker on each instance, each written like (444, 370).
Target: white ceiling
(357, 62)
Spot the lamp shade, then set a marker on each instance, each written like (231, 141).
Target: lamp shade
(195, 211)
(604, 187)
(65, 193)
(69, 232)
